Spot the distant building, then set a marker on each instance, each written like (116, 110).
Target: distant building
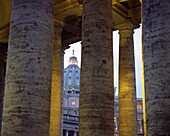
(71, 97)
(71, 102)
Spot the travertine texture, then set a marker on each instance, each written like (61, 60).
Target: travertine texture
(127, 91)
(2, 79)
(57, 74)
(156, 29)
(29, 69)
(97, 93)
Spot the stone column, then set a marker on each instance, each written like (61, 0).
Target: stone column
(29, 68)
(75, 133)
(127, 90)
(156, 34)
(66, 133)
(97, 91)
(2, 78)
(143, 90)
(57, 75)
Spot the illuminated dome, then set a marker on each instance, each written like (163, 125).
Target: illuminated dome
(72, 75)
(73, 59)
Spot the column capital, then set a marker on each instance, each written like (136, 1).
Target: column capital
(125, 26)
(125, 29)
(58, 28)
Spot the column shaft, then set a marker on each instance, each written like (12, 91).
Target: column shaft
(57, 75)
(2, 79)
(127, 91)
(29, 67)
(66, 133)
(75, 133)
(97, 93)
(156, 34)
(143, 90)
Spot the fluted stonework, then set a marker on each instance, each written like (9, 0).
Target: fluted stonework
(156, 32)
(97, 93)
(57, 75)
(29, 68)
(127, 91)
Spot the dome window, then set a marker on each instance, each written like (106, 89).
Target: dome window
(73, 102)
(139, 106)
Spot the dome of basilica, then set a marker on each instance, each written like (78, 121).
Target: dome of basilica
(72, 75)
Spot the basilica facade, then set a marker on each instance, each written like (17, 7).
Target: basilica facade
(33, 37)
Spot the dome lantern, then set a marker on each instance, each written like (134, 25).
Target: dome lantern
(73, 59)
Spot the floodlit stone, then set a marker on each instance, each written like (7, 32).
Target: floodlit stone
(156, 34)
(29, 67)
(127, 90)
(57, 75)
(96, 89)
